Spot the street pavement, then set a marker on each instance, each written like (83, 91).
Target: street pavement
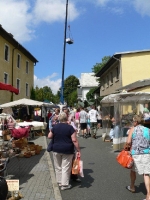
(103, 178)
(36, 175)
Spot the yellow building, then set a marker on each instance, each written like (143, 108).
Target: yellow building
(17, 67)
(123, 69)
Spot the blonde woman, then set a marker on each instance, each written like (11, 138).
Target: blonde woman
(64, 141)
(139, 138)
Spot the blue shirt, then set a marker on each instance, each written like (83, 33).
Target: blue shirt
(62, 142)
(140, 140)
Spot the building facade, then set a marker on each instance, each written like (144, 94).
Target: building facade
(16, 66)
(123, 69)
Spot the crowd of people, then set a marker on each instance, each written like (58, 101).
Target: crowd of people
(64, 128)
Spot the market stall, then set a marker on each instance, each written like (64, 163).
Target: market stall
(124, 105)
(34, 122)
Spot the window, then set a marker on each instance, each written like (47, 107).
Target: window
(6, 52)
(27, 67)
(111, 78)
(18, 84)
(27, 89)
(18, 60)
(117, 73)
(107, 80)
(103, 84)
(5, 78)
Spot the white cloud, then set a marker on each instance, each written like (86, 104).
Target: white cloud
(49, 81)
(142, 7)
(102, 2)
(16, 19)
(21, 17)
(53, 10)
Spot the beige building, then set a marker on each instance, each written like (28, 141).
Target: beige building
(123, 69)
(17, 67)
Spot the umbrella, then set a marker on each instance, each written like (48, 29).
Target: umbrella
(8, 87)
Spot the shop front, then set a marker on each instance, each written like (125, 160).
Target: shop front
(122, 107)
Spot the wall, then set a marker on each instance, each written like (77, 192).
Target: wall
(6, 66)
(135, 66)
(106, 86)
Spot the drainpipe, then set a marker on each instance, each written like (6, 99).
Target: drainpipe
(12, 74)
(120, 67)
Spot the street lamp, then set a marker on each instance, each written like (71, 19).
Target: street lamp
(64, 53)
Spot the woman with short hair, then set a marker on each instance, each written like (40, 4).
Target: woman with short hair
(64, 141)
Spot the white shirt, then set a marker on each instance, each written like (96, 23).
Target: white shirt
(93, 114)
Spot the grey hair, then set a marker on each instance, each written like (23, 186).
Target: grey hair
(62, 117)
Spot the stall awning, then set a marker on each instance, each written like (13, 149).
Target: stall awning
(9, 88)
(126, 97)
(27, 102)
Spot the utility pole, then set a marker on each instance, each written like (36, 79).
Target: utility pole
(64, 53)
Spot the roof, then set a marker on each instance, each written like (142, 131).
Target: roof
(130, 52)
(26, 102)
(126, 97)
(117, 57)
(9, 37)
(136, 85)
(88, 80)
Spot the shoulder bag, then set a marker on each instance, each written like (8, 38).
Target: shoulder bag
(50, 145)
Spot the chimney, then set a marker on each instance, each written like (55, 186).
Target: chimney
(11, 35)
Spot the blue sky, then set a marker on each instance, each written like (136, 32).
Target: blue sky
(98, 27)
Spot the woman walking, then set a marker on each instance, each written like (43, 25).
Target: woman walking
(139, 138)
(77, 122)
(64, 141)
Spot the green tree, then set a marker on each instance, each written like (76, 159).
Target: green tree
(90, 94)
(70, 90)
(32, 94)
(44, 93)
(97, 67)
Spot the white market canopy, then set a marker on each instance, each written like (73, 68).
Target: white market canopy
(137, 97)
(26, 102)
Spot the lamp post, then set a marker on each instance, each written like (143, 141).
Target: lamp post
(64, 52)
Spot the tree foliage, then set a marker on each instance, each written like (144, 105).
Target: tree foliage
(90, 94)
(70, 90)
(97, 67)
(32, 94)
(44, 93)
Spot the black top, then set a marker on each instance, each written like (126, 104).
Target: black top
(62, 138)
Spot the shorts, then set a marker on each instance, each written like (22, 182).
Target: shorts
(83, 126)
(142, 163)
(99, 121)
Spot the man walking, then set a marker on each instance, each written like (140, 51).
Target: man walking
(83, 122)
(93, 114)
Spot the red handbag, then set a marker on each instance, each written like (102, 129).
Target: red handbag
(125, 159)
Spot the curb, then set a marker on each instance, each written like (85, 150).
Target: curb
(52, 174)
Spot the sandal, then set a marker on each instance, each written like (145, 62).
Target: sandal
(131, 190)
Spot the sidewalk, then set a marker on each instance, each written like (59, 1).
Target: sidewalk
(36, 175)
